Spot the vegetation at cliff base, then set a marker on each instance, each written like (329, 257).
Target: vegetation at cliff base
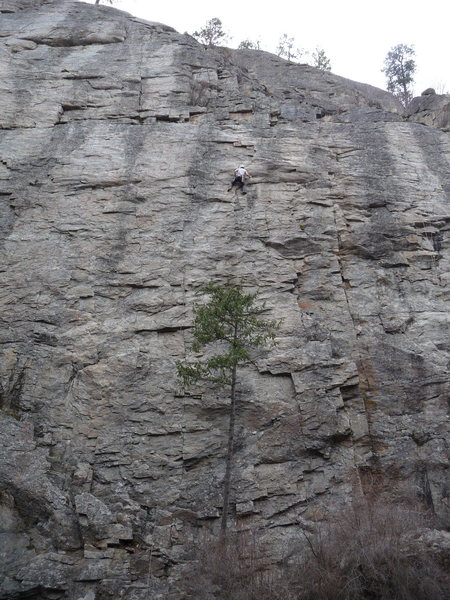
(374, 549)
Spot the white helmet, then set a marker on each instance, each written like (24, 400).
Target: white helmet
(241, 167)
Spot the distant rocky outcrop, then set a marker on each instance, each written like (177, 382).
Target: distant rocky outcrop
(118, 141)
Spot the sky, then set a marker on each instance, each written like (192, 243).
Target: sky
(356, 35)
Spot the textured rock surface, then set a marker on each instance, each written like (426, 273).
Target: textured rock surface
(119, 138)
(431, 109)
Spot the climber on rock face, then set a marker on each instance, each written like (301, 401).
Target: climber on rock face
(240, 175)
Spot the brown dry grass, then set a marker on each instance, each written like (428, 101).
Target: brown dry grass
(370, 551)
(235, 568)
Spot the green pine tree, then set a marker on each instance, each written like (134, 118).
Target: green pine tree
(321, 60)
(230, 323)
(211, 34)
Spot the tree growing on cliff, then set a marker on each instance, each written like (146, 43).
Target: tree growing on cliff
(249, 45)
(321, 60)
(229, 325)
(211, 34)
(399, 68)
(286, 48)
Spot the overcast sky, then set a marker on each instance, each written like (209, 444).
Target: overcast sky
(356, 35)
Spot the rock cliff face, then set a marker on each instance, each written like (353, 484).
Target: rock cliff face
(119, 138)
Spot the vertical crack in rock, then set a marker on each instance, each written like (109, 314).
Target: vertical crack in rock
(363, 389)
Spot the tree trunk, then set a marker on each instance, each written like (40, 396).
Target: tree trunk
(404, 85)
(227, 479)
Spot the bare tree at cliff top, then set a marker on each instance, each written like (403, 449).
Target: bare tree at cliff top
(230, 325)
(399, 68)
(286, 48)
(211, 34)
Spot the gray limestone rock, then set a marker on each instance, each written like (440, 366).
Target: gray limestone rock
(430, 109)
(118, 141)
